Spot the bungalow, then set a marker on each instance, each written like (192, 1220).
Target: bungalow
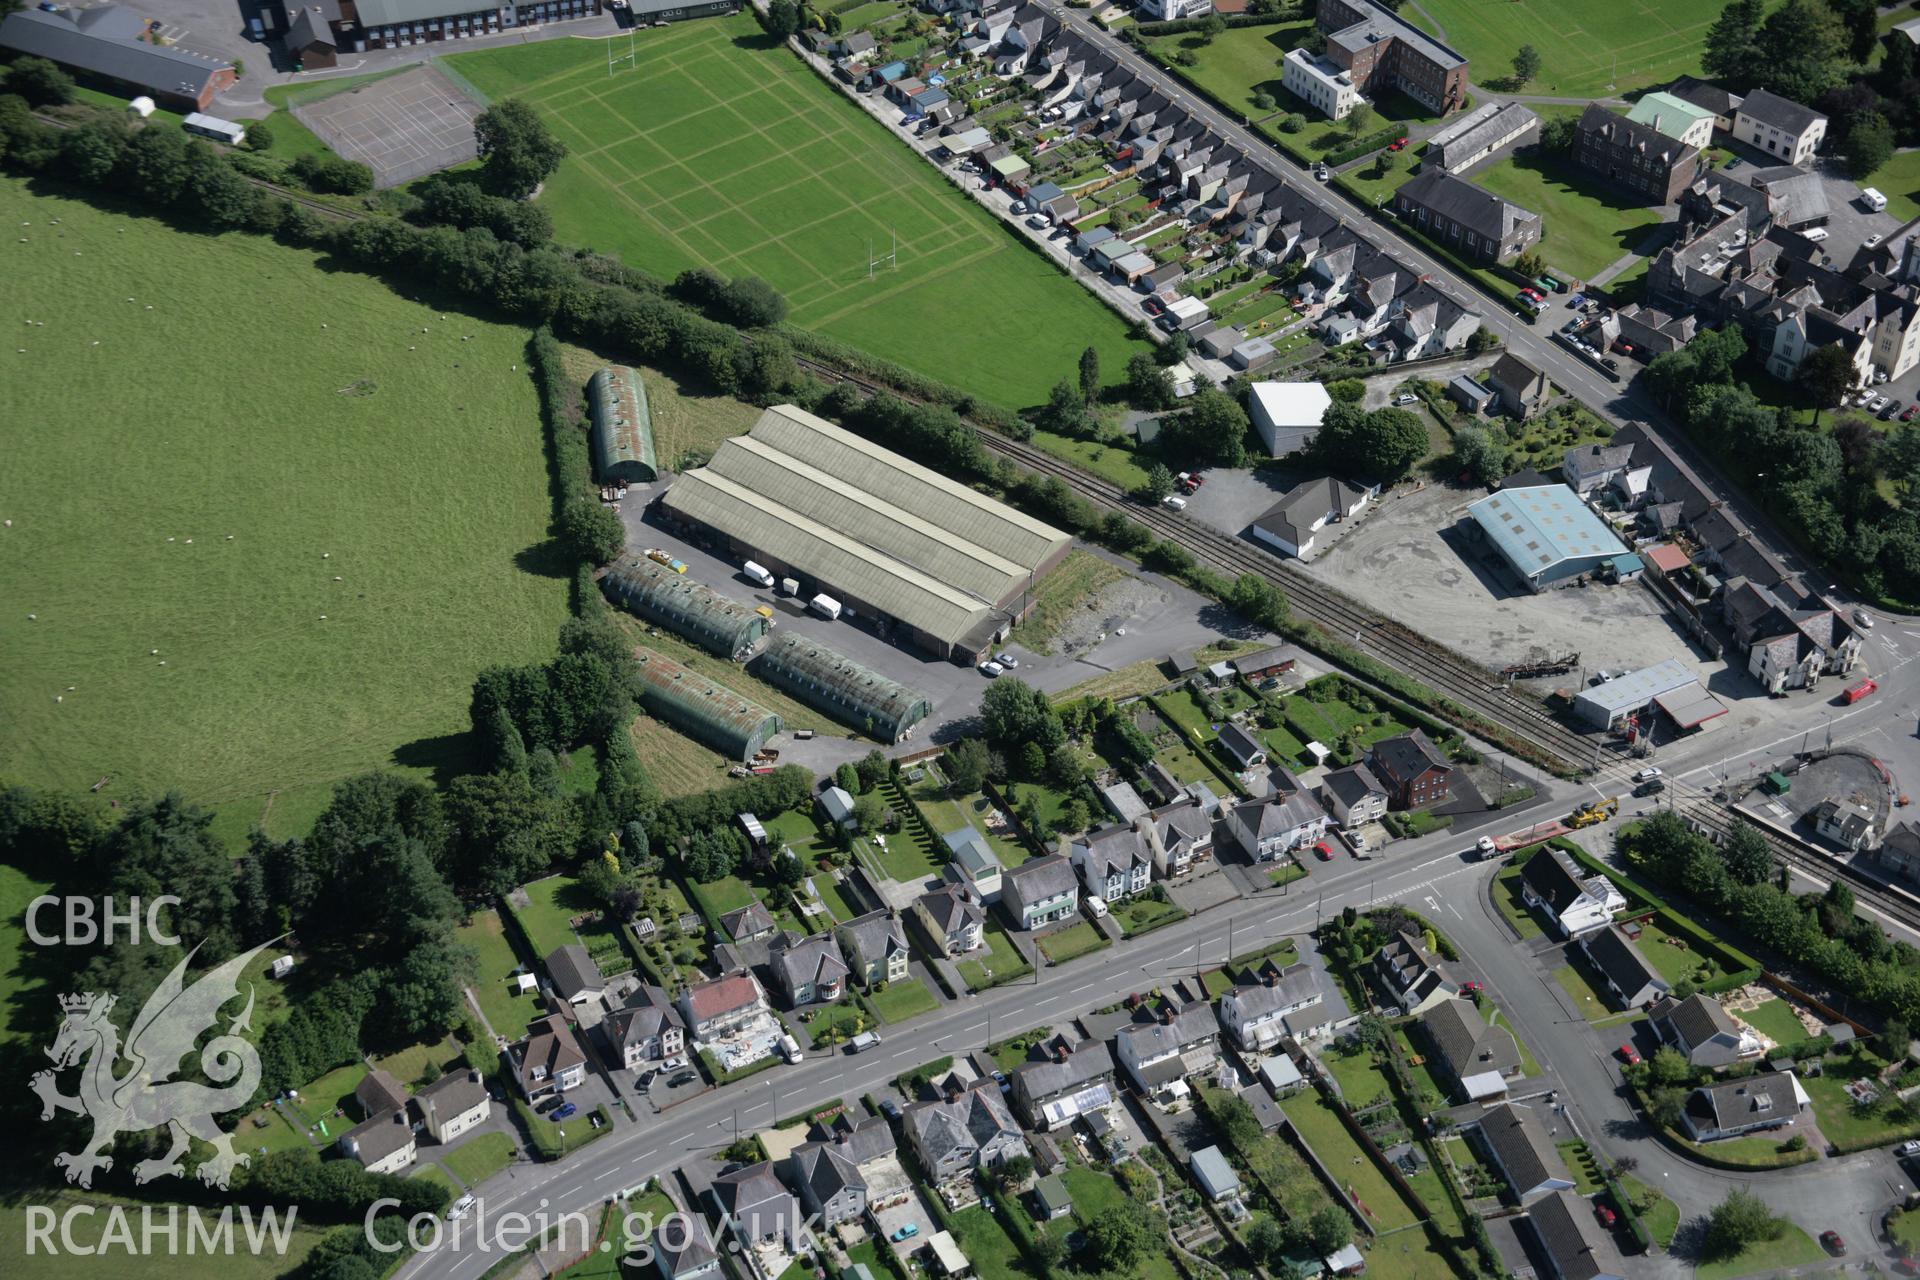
(1246, 750)
(747, 924)
(1068, 1084)
(1292, 524)
(1040, 892)
(1520, 1151)
(1707, 1034)
(1265, 664)
(1575, 1246)
(758, 1207)
(575, 976)
(1411, 974)
(1284, 1002)
(1182, 836)
(548, 1059)
(648, 1029)
(684, 1248)
(712, 1009)
(972, 862)
(1631, 981)
(1115, 862)
(1411, 769)
(1734, 1107)
(836, 808)
(1269, 829)
(968, 1130)
(1353, 796)
(809, 971)
(1178, 1043)
(859, 45)
(1551, 884)
(1476, 1058)
(953, 918)
(876, 948)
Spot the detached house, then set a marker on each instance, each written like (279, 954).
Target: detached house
(712, 1009)
(870, 1146)
(1552, 884)
(548, 1059)
(1734, 1107)
(747, 924)
(1518, 388)
(1707, 1034)
(1411, 974)
(758, 1207)
(1412, 770)
(1115, 862)
(1475, 1057)
(1285, 1002)
(684, 1248)
(647, 1030)
(1846, 823)
(1631, 981)
(953, 918)
(1521, 1152)
(1246, 750)
(574, 974)
(1484, 227)
(829, 1182)
(1575, 1246)
(876, 948)
(1592, 466)
(1040, 892)
(970, 1129)
(809, 971)
(1178, 1043)
(384, 1142)
(1068, 1084)
(1779, 126)
(1267, 830)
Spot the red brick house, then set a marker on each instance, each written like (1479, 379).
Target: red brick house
(1412, 770)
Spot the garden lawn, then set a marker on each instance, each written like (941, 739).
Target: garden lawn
(1506, 896)
(1774, 1019)
(1794, 1248)
(1361, 1081)
(1069, 587)
(1074, 941)
(1495, 1018)
(949, 814)
(1841, 1122)
(903, 1000)
(1578, 1158)
(1589, 225)
(479, 1158)
(1002, 963)
(728, 893)
(1586, 997)
(1093, 1191)
(834, 1023)
(1238, 63)
(333, 1092)
(1899, 181)
(1587, 48)
(987, 1245)
(1143, 915)
(261, 705)
(435, 1174)
(1662, 1217)
(89, 1230)
(552, 904)
(720, 149)
(1317, 1123)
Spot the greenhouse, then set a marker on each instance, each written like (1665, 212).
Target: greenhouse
(689, 609)
(819, 677)
(622, 427)
(707, 712)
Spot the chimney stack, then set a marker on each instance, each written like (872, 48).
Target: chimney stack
(1166, 1015)
(1271, 977)
(1059, 1053)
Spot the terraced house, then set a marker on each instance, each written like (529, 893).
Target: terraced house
(1178, 1043)
(1484, 227)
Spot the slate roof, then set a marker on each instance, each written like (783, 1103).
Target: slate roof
(1042, 1080)
(1295, 983)
(1734, 1103)
(1465, 1041)
(974, 1119)
(1114, 850)
(823, 1171)
(1522, 1147)
(1586, 460)
(1552, 875)
(874, 937)
(1620, 961)
(1512, 373)
(1183, 820)
(1701, 93)
(747, 922)
(1292, 517)
(1243, 745)
(1782, 113)
(379, 1093)
(1038, 879)
(550, 1043)
(648, 1013)
(574, 972)
(1259, 819)
(104, 40)
(1695, 1020)
(811, 960)
(1406, 756)
(686, 1246)
(952, 908)
(1191, 1025)
(1459, 201)
(455, 1093)
(865, 1141)
(1353, 784)
(752, 1193)
(1564, 1224)
(379, 1137)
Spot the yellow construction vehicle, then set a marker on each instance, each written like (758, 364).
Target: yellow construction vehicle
(1599, 811)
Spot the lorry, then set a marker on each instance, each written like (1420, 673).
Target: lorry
(758, 576)
(826, 606)
(790, 1048)
(864, 1041)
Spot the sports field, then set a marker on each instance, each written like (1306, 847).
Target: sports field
(719, 149)
(1587, 48)
(320, 505)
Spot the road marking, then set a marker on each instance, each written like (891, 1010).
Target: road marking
(570, 1190)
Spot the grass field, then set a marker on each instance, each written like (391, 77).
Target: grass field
(678, 765)
(1588, 48)
(1239, 62)
(506, 1012)
(1070, 586)
(721, 150)
(1794, 1248)
(1367, 1187)
(1072, 942)
(685, 418)
(1588, 224)
(197, 525)
(903, 1000)
(1899, 180)
(118, 1252)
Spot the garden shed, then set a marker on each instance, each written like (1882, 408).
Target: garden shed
(622, 427)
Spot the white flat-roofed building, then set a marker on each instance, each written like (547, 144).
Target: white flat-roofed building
(1319, 82)
(1288, 414)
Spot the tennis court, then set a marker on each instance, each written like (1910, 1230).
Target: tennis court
(402, 127)
(715, 148)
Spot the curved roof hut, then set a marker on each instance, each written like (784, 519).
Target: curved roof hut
(622, 427)
(818, 676)
(703, 709)
(683, 606)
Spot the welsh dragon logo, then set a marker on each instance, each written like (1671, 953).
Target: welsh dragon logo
(146, 1096)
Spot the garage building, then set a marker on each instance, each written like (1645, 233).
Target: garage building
(1288, 414)
(704, 710)
(687, 608)
(950, 569)
(622, 427)
(878, 707)
(1546, 534)
(1667, 685)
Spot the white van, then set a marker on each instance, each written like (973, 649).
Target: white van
(826, 606)
(1096, 906)
(1175, 501)
(1873, 199)
(1815, 234)
(758, 576)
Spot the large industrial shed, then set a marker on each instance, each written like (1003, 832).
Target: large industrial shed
(703, 710)
(1676, 691)
(622, 427)
(685, 607)
(1545, 533)
(951, 569)
(879, 707)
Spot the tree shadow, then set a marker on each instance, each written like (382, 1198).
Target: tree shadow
(957, 730)
(1218, 617)
(546, 559)
(447, 756)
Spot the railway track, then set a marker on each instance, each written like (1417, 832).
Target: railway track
(1456, 677)
(1717, 822)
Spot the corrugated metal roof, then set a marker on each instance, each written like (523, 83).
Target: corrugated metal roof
(622, 423)
(706, 710)
(841, 687)
(683, 606)
(1541, 526)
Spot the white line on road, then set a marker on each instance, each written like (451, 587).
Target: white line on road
(570, 1190)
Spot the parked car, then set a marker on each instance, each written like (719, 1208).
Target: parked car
(1397, 144)
(1609, 362)
(1874, 239)
(907, 1232)
(1647, 774)
(1878, 403)
(1911, 409)
(1833, 1244)
(1006, 660)
(1893, 407)
(1406, 398)
(1321, 173)
(685, 1077)
(1651, 787)
(1471, 989)
(891, 1107)
(1323, 850)
(1907, 1150)
(1815, 234)
(1604, 1214)
(1629, 1055)
(548, 1104)
(564, 1113)
(991, 669)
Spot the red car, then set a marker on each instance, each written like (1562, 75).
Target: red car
(1471, 988)
(1324, 849)
(1911, 409)
(1396, 144)
(1603, 1213)
(1535, 294)
(1629, 1054)
(1831, 1241)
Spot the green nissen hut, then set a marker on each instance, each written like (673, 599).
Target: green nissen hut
(622, 427)
(878, 707)
(703, 710)
(689, 609)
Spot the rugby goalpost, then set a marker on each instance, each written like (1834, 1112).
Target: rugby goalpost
(614, 59)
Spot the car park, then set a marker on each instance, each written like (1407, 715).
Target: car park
(1006, 660)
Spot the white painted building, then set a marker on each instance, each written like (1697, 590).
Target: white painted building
(1319, 82)
(1288, 414)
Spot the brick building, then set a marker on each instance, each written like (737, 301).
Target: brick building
(1383, 52)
